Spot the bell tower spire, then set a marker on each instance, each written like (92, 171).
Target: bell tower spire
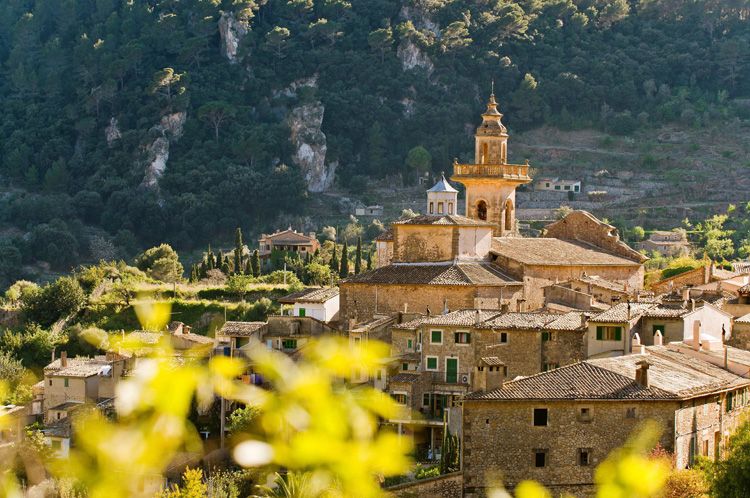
(491, 182)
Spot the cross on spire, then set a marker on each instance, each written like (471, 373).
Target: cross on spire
(493, 87)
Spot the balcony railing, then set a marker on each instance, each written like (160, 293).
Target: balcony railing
(458, 378)
(510, 171)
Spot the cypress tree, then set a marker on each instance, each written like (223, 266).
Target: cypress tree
(369, 260)
(256, 263)
(248, 267)
(210, 264)
(238, 245)
(358, 257)
(334, 263)
(344, 272)
(225, 266)
(203, 269)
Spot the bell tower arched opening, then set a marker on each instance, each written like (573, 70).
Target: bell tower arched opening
(482, 210)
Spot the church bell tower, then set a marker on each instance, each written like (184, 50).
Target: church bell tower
(491, 182)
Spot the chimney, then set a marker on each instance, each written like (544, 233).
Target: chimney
(686, 294)
(696, 335)
(584, 320)
(658, 338)
(350, 325)
(477, 318)
(636, 347)
(692, 305)
(428, 311)
(641, 373)
(63, 359)
(53, 354)
(504, 307)
(406, 308)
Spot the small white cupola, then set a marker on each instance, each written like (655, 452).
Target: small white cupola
(442, 198)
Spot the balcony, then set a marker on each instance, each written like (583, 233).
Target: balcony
(519, 172)
(457, 379)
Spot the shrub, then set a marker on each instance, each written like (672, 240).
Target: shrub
(426, 472)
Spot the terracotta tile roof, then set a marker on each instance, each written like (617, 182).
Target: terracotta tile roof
(197, 338)
(492, 361)
(671, 376)
(442, 185)
(241, 329)
(404, 377)
(461, 318)
(569, 321)
(555, 252)
(447, 219)
(745, 289)
(619, 312)
(411, 324)
(578, 381)
(743, 319)
(462, 273)
(387, 235)
(311, 295)
(289, 237)
(601, 282)
(521, 321)
(665, 312)
(77, 367)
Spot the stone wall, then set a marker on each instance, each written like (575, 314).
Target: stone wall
(445, 486)
(420, 243)
(364, 300)
(583, 226)
(698, 276)
(535, 278)
(740, 336)
(500, 439)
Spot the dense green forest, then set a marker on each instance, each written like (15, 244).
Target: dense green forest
(89, 87)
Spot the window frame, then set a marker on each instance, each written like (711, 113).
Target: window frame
(396, 394)
(603, 332)
(432, 337)
(462, 332)
(427, 363)
(534, 416)
(545, 458)
(581, 452)
(503, 335)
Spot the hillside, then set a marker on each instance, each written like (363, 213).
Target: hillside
(125, 124)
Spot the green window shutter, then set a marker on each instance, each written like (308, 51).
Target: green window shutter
(432, 363)
(436, 336)
(618, 333)
(408, 343)
(599, 333)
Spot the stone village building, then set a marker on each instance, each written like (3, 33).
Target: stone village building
(287, 240)
(444, 260)
(556, 427)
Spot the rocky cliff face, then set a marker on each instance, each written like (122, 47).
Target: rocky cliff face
(112, 132)
(231, 31)
(411, 56)
(168, 130)
(310, 146)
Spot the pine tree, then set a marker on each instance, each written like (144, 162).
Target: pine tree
(344, 271)
(369, 260)
(334, 263)
(238, 246)
(358, 257)
(256, 263)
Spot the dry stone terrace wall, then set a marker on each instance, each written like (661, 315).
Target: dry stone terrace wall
(445, 486)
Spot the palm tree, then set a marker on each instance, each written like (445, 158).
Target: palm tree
(290, 485)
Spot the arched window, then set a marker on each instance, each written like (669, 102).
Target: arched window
(482, 210)
(508, 215)
(485, 153)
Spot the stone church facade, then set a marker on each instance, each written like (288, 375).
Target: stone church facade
(444, 261)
